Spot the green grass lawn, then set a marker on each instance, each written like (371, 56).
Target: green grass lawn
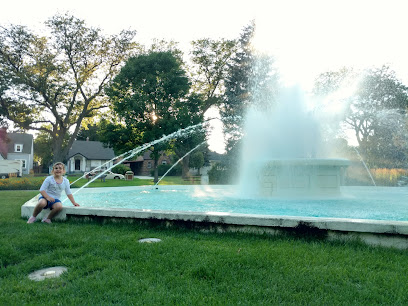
(106, 265)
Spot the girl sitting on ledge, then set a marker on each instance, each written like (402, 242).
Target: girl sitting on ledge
(50, 191)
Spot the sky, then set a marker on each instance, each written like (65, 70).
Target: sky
(306, 37)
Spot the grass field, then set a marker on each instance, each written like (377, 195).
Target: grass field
(106, 265)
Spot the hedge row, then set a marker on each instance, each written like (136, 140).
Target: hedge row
(21, 183)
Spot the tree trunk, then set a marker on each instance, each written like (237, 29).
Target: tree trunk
(156, 171)
(185, 167)
(57, 149)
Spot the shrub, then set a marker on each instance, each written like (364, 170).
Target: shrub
(121, 169)
(162, 169)
(21, 183)
(381, 176)
(219, 174)
(387, 177)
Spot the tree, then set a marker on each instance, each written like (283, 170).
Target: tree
(237, 88)
(3, 141)
(42, 152)
(151, 98)
(191, 114)
(53, 82)
(210, 60)
(89, 132)
(379, 90)
(197, 160)
(375, 112)
(251, 81)
(4, 85)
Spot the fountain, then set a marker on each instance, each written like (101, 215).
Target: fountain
(302, 177)
(289, 179)
(283, 152)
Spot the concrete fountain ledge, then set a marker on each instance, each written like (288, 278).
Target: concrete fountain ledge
(373, 232)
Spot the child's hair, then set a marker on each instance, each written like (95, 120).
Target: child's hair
(58, 163)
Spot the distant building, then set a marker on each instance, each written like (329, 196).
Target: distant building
(20, 146)
(85, 156)
(143, 164)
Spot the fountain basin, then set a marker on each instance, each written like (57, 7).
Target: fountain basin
(376, 215)
(302, 177)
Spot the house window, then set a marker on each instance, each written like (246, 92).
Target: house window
(164, 162)
(18, 147)
(149, 165)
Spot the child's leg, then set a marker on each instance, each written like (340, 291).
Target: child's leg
(56, 208)
(39, 207)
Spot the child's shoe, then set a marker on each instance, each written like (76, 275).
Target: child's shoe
(45, 220)
(31, 220)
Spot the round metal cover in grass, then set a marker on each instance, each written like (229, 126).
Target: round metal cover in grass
(42, 274)
(149, 240)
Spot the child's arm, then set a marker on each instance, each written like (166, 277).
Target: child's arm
(71, 198)
(47, 197)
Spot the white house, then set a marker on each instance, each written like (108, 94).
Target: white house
(85, 156)
(20, 146)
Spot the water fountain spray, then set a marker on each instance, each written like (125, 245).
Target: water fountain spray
(133, 152)
(175, 164)
(365, 166)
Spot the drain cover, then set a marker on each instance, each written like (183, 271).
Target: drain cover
(42, 274)
(149, 240)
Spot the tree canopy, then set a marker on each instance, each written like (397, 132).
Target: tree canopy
(151, 98)
(51, 83)
(210, 65)
(375, 111)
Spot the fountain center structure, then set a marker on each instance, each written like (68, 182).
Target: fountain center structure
(302, 177)
(284, 154)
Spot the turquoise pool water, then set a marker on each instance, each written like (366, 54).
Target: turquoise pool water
(378, 203)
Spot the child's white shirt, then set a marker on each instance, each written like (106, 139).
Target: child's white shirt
(53, 189)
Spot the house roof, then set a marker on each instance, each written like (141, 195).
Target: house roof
(19, 138)
(91, 150)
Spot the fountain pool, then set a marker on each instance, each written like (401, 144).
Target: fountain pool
(378, 203)
(376, 215)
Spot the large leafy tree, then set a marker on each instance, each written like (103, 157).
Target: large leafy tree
(375, 112)
(151, 98)
(3, 141)
(4, 85)
(237, 88)
(251, 81)
(53, 82)
(377, 115)
(210, 60)
(191, 113)
(90, 132)
(42, 153)
(378, 92)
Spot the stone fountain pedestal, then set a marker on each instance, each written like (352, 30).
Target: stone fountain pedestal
(302, 177)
